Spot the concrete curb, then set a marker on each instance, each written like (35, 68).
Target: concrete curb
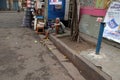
(70, 68)
(86, 68)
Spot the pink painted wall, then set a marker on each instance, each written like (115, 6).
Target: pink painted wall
(93, 11)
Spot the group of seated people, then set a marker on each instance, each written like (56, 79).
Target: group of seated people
(57, 28)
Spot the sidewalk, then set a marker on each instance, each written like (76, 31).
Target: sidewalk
(108, 61)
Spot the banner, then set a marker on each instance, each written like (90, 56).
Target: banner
(55, 2)
(112, 20)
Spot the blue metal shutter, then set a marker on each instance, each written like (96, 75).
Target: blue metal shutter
(3, 4)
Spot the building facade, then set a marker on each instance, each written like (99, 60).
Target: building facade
(90, 11)
(10, 4)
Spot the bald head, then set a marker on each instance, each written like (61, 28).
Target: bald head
(58, 19)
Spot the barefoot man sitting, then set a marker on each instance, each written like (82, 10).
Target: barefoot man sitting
(57, 28)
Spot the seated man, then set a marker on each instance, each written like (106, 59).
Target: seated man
(57, 28)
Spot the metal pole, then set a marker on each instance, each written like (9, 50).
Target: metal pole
(98, 47)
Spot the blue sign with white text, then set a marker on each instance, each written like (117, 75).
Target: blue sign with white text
(112, 24)
(56, 10)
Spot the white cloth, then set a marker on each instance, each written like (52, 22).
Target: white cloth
(35, 23)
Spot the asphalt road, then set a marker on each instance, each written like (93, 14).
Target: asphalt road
(21, 57)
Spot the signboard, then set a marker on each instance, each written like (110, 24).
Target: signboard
(56, 10)
(55, 2)
(112, 20)
(58, 7)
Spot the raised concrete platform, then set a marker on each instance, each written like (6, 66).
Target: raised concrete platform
(108, 59)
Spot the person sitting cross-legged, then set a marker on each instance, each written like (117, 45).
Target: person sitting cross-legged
(57, 28)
